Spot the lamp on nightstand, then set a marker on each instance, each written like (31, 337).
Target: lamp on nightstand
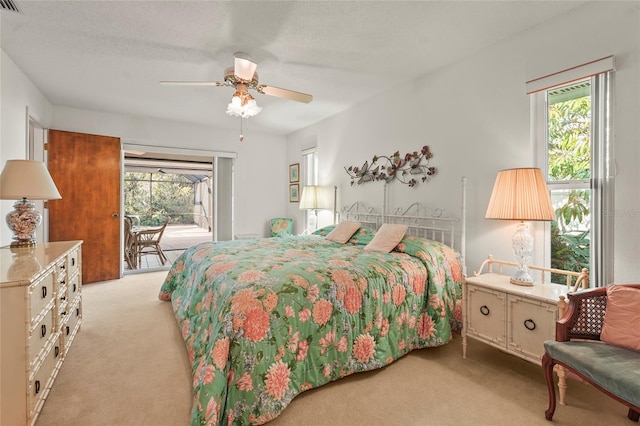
(26, 180)
(316, 198)
(521, 194)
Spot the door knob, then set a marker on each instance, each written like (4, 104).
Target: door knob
(115, 215)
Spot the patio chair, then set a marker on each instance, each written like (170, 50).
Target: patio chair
(130, 256)
(148, 242)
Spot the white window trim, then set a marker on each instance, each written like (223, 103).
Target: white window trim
(599, 66)
(602, 159)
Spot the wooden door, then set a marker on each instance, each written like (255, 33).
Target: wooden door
(86, 170)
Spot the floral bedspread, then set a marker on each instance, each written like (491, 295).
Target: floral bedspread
(264, 320)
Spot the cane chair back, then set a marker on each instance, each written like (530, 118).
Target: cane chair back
(148, 242)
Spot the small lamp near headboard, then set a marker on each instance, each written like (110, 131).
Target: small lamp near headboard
(521, 194)
(316, 198)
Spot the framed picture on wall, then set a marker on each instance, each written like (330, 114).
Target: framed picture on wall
(294, 193)
(294, 172)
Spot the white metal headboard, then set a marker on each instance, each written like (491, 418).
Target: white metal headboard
(423, 220)
(426, 222)
(368, 216)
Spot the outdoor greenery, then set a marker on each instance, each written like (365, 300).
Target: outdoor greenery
(569, 157)
(156, 197)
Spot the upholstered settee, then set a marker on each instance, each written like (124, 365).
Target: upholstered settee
(598, 340)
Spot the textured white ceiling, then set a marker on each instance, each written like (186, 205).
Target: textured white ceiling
(110, 55)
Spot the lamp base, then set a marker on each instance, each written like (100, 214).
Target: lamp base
(522, 283)
(23, 222)
(522, 249)
(23, 244)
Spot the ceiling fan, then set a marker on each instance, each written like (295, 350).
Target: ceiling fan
(243, 76)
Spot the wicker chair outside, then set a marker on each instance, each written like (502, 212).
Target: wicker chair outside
(148, 242)
(130, 255)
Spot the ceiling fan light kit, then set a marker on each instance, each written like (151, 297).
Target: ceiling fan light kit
(242, 104)
(243, 76)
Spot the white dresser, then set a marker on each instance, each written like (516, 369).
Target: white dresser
(40, 314)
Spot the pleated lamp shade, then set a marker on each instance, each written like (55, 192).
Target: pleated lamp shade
(520, 194)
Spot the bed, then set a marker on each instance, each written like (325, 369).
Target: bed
(264, 320)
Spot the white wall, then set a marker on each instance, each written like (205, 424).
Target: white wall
(474, 115)
(18, 94)
(261, 169)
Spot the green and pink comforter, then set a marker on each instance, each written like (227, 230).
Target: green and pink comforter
(264, 320)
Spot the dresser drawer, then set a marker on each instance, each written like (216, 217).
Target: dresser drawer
(41, 293)
(531, 322)
(40, 337)
(486, 314)
(42, 379)
(70, 326)
(73, 289)
(73, 261)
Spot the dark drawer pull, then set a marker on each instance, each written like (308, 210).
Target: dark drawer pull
(529, 325)
(44, 292)
(57, 351)
(73, 261)
(484, 310)
(77, 312)
(63, 298)
(43, 330)
(37, 386)
(67, 330)
(74, 287)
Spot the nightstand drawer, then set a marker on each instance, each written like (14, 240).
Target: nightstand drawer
(486, 314)
(531, 323)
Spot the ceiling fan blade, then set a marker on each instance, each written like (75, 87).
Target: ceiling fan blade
(244, 68)
(285, 93)
(192, 83)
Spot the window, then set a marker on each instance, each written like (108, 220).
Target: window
(310, 173)
(572, 127)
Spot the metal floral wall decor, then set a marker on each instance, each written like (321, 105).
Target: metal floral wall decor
(405, 169)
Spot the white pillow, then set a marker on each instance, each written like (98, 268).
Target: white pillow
(388, 236)
(343, 231)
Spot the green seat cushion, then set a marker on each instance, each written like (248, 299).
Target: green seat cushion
(614, 368)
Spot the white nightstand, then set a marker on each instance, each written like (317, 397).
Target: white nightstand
(517, 319)
(513, 318)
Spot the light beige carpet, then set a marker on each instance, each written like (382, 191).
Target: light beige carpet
(129, 366)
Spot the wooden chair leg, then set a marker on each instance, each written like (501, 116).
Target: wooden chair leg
(562, 384)
(547, 365)
(633, 415)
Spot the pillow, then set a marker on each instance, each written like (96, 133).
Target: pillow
(363, 236)
(324, 231)
(343, 231)
(622, 317)
(387, 237)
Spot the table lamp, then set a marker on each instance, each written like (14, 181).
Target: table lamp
(315, 198)
(521, 194)
(26, 180)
